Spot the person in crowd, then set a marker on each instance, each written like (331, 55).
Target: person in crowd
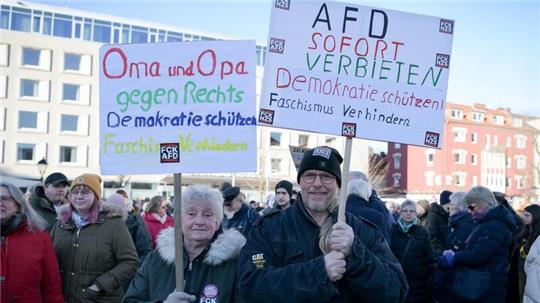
(210, 256)
(488, 245)
(302, 255)
(393, 208)
(93, 245)
(137, 230)
(532, 270)
(461, 225)
(46, 199)
(374, 201)
(224, 186)
(410, 244)
(29, 269)
(253, 204)
(283, 191)
(437, 222)
(156, 218)
(422, 210)
(531, 216)
(358, 193)
(237, 214)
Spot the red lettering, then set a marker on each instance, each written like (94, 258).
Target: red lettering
(326, 43)
(199, 60)
(313, 40)
(385, 46)
(285, 72)
(356, 50)
(124, 63)
(396, 44)
(343, 38)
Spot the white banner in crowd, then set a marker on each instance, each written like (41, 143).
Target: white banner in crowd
(356, 71)
(178, 108)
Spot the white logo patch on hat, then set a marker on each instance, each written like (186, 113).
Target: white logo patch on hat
(322, 151)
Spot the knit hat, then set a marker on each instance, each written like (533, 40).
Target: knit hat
(91, 180)
(445, 197)
(322, 158)
(285, 185)
(229, 194)
(57, 179)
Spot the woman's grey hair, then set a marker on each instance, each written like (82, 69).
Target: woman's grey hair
(457, 199)
(360, 188)
(353, 175)
(33, 219)
(408, 203)
(154, 204)
(481, 196)
(201, 193)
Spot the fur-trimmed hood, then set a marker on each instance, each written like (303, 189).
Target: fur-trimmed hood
(225, 247)
(105, 210)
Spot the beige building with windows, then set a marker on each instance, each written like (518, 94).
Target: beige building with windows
(49, 101)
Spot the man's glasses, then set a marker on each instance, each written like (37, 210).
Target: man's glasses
(471, 207)
(408, 211)
(6, 199)
(325, 178)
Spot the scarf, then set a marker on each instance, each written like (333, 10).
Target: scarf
(79, 221)
(406, 226)
(160, 219)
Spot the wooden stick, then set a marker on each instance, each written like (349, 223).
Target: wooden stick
(178, 236)
(344, 180)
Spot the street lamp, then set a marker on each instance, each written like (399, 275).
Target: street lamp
(42, 167)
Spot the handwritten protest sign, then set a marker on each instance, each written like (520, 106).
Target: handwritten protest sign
(177, 107)
(297, 153)
(356, 71)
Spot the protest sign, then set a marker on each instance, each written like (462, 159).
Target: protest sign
(297, 153)
(177, 107)
(356, 71)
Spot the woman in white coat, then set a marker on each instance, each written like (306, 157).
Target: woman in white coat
(532, 270)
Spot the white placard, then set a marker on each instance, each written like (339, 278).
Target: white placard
(178, 107)
(357, 71)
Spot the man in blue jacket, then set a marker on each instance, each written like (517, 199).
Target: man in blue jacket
(283, 260)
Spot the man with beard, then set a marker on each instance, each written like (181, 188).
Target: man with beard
(302, 255)
(47, 198)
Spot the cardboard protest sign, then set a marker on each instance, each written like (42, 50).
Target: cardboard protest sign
(177, 107)
(356, 71)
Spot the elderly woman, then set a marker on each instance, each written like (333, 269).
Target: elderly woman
(29, 269)
(210, 256)
(488, 245)
(410, 245)
(93, 245)
(460, 222)
(156, 217)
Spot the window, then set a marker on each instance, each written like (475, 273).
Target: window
(499, 120)
(456, 113)
(276, 165)
(508, 182)
(72, 62)
(517, 122)
(102, 31)
(521, 141)
(20, 19)
(509, 141)
(3, 86)
(4, 54)
(474, 159)
(30, 56)
(521, 162)
(488, 140)
(25, 152)
(69, 123)
(28, 120)
(458, 179)
(508, 162)
(397, 160)
(29, 88)
(68, 154)
(70, 92)
(139, 34)
(430, 157)
(475, 181)
(429, 175)
(275, 139)
(474, 138)
(520, 182)
(62, 25)
(460, 134)
(397, 178)
(495, 140)
(397, 145)
(459, 156)
(303, 140)
(4, 18)
(478, 117)
(330, 141)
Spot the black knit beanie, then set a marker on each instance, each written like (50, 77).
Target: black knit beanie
(322, 158)
(285, 185)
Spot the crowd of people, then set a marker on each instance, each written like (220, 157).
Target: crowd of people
(62, 242)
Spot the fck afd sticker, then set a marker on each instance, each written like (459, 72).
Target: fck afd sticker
(169, 152)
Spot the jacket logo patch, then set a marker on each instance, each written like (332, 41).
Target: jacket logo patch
(258, 260)
(210, 293)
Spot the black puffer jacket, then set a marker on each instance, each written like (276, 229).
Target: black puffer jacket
(437, 228)
(359, 207)
(461, 225)
(139, 234)
(417, 262)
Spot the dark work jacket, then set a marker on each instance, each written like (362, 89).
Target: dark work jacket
(282, 262)
(41, 204)
(359, 207)
(461, 225)
(437, 228)
(487, 248)
(140, 236)
(242, 220)
(214, 269)
(377, 204)
(417, 262)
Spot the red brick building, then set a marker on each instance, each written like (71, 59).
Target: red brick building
(488, 147)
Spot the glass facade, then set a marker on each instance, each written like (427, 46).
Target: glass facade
(69, 123)
(29, 88)
(72, 62)
(28, 119)
(30, 56)
(70, 92)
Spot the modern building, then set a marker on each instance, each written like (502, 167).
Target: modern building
(488, 147)
(49, 101)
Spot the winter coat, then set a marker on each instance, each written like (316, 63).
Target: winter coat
(532, 269)
(487, 249)
(437, 228)
(102, 253)
(417, 262)
(29, 270)
(461, 225)
(242, 220)
(282, 262)
(41, 204)
(359, 207)
(377, 204)
(139, 235)
(155, 226)
(210, 276)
